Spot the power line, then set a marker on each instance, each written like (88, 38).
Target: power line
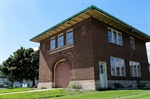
(140, 24)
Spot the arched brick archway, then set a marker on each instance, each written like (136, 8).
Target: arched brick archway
(62, 73)
(55, 61)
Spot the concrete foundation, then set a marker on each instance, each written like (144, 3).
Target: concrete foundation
(95, 85)
(84, 84)
(46, 85)
(128, 84)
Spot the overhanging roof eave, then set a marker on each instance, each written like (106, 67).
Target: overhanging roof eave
(100, 11)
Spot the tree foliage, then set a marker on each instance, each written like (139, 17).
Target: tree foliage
(23, 64)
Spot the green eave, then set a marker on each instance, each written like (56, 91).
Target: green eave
(92, 11)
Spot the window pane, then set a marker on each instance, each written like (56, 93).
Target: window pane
(132, 45)
(53, 46)
(70, 37)
(109, 35)
(112, 66)
(138, 70)
(131, 69)
(117, 67)
(115, 37)
(101, 69)
(134, 70)
(131, 41)
(119, 39)
(122, 67)
(60, 41)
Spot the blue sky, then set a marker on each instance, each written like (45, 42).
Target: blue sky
(20, 20)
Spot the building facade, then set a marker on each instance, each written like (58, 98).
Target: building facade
(93, 50)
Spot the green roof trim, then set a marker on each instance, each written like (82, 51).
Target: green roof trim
(102, 11)
(63, 21)
(88, 8)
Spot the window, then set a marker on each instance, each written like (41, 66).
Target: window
(60, 40)
(119, 39)
(53, 43)
(135, 69)
(117, 66)
(70, 37)
(132, 45)
(114, 37)
(109, 35)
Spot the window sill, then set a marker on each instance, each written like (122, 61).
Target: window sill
(115, 44)
(61, 49)
(136, 77)
(117, 76)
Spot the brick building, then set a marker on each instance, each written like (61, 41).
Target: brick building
(92, 49)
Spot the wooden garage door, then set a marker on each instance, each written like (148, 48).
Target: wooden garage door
(62, 74)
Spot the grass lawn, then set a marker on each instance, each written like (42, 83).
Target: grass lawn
(14, 90)
(72, 94)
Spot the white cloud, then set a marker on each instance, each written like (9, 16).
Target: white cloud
(148, 48)
(35, 48)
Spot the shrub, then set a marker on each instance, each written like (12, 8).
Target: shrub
(43, 87)
(118, 85)
(76, 85)
(140, 84)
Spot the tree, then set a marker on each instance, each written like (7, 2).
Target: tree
(1, 73)
(32, 62)
(23, 64)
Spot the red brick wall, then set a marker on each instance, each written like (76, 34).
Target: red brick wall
(47, 61)
(44, 72)
(90, 46)
(80, 56)
(83, 51)
(104, 49)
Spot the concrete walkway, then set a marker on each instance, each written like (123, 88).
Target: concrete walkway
(26, 91)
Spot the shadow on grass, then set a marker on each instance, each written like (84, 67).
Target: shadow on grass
(143, 88)
(110, 89)
(49, 96)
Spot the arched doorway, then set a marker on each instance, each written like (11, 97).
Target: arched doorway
(62, 73)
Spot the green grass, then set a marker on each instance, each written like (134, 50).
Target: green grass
(114, 94)
(36, 95)
(14, 90)
(72, 94)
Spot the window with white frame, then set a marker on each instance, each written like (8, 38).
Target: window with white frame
(132, 44)
(135, 69)
(70, 37)
(114, 37)
(61, 40)
(117, 66)
(53, 43)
